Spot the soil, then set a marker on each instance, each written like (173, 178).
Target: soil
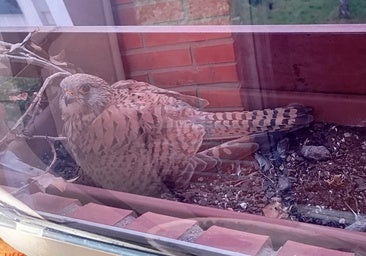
(287, 182)
(281, 182)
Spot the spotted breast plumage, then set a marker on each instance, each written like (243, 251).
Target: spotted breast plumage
(135, 137)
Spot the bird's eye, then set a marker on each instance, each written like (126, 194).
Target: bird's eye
(84, 88)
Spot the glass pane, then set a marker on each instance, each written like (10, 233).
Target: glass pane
(131, 128)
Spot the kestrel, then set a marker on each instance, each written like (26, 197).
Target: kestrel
(135, 137)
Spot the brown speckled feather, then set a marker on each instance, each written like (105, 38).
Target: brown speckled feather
(136, 137)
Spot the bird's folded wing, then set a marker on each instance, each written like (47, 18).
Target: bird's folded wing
(135, 86)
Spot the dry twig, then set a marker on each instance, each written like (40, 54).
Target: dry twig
(18, 52)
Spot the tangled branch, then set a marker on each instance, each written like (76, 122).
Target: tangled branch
(19, 52)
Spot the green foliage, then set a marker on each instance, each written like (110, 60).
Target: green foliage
(298, 12)
(12, 87)
(254, 2)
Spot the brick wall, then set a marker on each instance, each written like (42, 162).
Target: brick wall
(192, 63)
(244, 70)
(163, 12)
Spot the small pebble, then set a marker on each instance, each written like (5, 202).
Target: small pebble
(283, 183)
(315, 152)
(363, 145)
(347, 134)
(263, 162)
(243, 205)
(288, 158)
(299, 158)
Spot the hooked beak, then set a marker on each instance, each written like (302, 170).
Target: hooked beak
(68, 99)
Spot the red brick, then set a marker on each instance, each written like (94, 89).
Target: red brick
(199, 75)
(221, 97)
(155, 39)
(157, 59)
(203, 8)
(167, 11)
(291, 248)
(50, 203)
(127, 15)
(224, 73)
(139, 77)
(214, 53)
(234, 240)
(162, 225)
(224, 99)
(101, 214)
(224, 20)
(128, 41)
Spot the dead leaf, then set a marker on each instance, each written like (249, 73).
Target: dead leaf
(20, 96)
(275, 210)
(335, 180)
(45, 180)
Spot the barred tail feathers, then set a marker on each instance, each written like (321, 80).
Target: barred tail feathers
(228, 125)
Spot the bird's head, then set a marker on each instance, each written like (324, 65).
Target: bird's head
(83, 94)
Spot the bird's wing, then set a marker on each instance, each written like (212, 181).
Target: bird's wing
(151, 127)
(115, 126)
(135, 86)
